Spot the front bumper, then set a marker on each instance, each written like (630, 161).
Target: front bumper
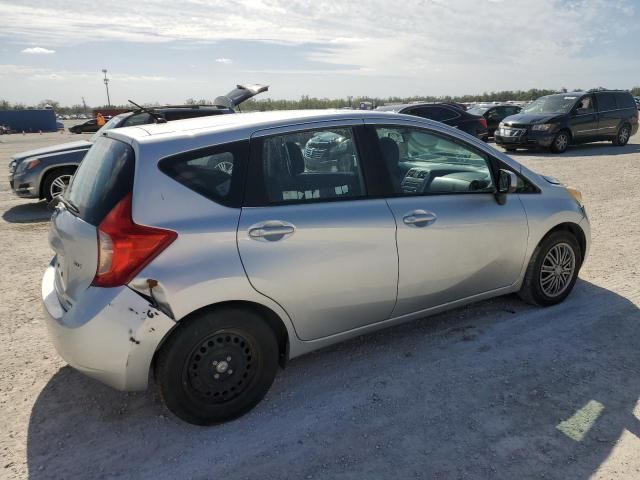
(23, 186)
(109, 334)
(525, 138)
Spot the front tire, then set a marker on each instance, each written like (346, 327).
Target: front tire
(560, 142)
(217, 365)
(623, 135)
(553, 270)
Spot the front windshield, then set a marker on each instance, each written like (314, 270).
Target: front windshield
(113, 123)
(552, 104)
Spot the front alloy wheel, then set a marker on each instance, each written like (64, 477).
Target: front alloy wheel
(560, 142)
(557, 269)
(553, 270)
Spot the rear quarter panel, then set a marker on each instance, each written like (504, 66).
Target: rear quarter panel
(202, 266)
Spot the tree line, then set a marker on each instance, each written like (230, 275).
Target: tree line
(308, 102)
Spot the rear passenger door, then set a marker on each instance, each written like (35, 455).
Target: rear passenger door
(608, 113)
(312, 240)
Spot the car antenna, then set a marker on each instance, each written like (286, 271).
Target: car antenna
(156, 117)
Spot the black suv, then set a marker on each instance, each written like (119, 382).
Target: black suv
(556, 121)
(450, 114)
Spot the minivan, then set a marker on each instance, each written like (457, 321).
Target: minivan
(557, 121)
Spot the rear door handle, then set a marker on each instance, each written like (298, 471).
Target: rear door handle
(272, 230)
(419, 218)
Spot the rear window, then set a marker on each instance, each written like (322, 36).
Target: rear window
(104, 177)
(182, 114)
(216, 173)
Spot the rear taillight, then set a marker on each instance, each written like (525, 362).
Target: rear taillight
(125, 248)
(483, 122)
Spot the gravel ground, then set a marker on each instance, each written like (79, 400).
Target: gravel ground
(497, 390)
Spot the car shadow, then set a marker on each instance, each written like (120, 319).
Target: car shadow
(584, 150)
(495, 390)
(28, 213)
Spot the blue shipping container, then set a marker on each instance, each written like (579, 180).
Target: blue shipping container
(30, 121)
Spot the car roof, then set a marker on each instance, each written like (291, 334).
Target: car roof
(248, 122)
(401, 106)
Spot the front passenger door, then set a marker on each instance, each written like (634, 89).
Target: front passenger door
(454, 240)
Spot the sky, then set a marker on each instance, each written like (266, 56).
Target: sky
(168, 51)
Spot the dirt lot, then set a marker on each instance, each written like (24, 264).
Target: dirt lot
(498, 390)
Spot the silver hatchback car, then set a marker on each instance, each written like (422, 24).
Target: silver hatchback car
(207, 252)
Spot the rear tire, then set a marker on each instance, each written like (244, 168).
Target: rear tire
(561, 142)
(553, 270)
(56, 181)
(623, 135)
(217, 365)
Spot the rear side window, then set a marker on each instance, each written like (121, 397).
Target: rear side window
(138, 119)
(215, 173)
(606, 101)
(103, 178)
(312, 165)
(625, 100)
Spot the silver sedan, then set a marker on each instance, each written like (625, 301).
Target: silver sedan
(210, 251)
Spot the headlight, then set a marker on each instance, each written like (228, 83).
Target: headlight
(501, 124)
(32, 164)
(27, 165)
(576, 194)
(543, 127)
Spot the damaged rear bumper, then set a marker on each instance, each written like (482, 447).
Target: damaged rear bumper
(109, 334)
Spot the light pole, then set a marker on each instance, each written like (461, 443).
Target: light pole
(106, 85)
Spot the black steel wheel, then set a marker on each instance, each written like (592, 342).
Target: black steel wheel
(217, 365)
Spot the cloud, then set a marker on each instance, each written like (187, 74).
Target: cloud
(226, 61)
(38, 51)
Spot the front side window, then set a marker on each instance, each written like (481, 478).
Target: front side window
(585, 106)
(311, 165)
(421, 162)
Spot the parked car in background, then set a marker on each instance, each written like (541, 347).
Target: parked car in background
(90, 126)
(448, 113)
(213, 277)
(637, 99)
(557, 121)
(45, 172)
(494, 114)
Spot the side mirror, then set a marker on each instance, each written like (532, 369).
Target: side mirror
(507, 183)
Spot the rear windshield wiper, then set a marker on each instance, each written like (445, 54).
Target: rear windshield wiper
(156, 118)
(69, 204)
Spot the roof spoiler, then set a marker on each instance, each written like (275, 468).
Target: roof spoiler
(239, 94)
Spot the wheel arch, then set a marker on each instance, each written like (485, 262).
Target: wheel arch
(272, 319)
(575, 230)
(48, 171)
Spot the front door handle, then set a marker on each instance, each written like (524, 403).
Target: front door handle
(272, 230)
(419, 218)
